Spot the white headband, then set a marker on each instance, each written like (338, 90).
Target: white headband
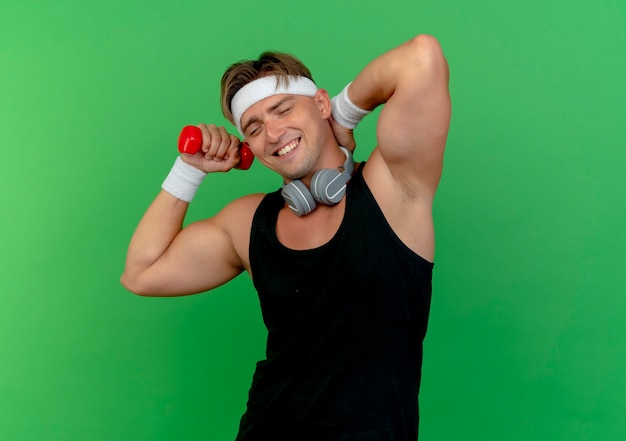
(264, 87)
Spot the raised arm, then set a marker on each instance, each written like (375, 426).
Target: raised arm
(404, 169)
(165, 259)
(411, 81)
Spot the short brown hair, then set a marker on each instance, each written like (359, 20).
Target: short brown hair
(269, 63)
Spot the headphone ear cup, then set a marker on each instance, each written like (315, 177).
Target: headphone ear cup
(329, 186)
(298, 198)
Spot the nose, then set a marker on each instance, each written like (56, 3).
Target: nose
(274, 131)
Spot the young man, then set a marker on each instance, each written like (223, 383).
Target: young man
(344, 280)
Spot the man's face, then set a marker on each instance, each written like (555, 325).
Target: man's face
(286, 133)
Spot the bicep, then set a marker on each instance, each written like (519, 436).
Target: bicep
(200, 258)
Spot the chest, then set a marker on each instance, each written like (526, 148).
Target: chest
(310, 231)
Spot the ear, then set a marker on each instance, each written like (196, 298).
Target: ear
(322, 100)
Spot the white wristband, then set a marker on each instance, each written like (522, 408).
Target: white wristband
(345, 112)
(183, 180)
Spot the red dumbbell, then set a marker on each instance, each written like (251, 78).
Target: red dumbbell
(190, 141)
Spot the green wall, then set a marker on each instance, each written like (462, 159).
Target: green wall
(526, 339)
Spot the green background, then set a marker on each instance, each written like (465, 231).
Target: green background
(526, 339)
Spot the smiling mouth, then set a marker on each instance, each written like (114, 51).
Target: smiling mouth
(289, 147)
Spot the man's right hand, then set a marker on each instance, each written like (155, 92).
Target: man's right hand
(219, 151)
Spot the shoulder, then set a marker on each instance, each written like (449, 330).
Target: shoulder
(244, 204)
(238, 214)
(235, 220)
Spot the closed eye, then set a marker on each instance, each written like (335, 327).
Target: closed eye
(284, 110)
(254, 130)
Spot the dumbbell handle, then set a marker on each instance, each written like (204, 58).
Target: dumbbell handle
(190, 141)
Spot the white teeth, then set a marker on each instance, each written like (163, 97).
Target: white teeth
(289, 147)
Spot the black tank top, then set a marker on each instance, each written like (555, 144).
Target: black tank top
(345, 322)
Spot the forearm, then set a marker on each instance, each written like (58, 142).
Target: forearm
(408, 66)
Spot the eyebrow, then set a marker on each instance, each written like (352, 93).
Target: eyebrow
(270, 110)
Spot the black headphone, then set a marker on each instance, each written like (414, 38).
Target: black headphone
(328, 187)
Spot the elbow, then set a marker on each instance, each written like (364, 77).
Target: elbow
(132, 285)
(127, 283)
(425, 45)
(426, 53)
